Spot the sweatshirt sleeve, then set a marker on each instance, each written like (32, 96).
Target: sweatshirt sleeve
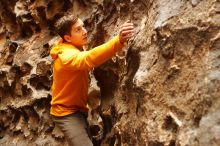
(86, 60)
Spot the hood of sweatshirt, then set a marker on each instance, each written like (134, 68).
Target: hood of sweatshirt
(58, 48)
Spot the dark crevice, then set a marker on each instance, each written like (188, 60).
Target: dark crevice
(50, 5)
(169, 124)
(139, 94)
(172, 143)
(155, 143)
(26, 91)
(42, 103)
(42, 14)
(107, 81)
(94, 130)
(67, 5)
(24, 114)
(46, 51)
(51, 23)
(16, 115)
(40, 82)
(26, 68)
(16, 70)
(9, 60)
(26, 31)
(12, 47)
(37, 29)
(112, 141)
(133, 66)
(107, 124)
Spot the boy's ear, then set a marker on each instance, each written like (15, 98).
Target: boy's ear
(67, 38)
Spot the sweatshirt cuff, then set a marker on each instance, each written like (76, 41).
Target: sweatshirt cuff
(119, 44)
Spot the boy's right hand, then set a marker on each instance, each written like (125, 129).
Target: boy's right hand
(126, 31)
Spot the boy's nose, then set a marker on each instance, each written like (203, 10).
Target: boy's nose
(84, 31)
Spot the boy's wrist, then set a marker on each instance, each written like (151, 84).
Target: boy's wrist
(121, 41)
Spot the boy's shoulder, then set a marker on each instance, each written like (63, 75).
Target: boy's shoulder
(63, 49)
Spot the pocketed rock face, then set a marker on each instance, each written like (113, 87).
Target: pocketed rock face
(162, 90)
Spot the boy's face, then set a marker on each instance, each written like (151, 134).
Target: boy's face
(78, 35)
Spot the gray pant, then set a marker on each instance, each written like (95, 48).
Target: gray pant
(75, 128)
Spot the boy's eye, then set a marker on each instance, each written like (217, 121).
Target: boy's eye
(78, 29)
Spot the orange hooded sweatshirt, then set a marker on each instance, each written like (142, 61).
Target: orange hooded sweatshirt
(70, 74)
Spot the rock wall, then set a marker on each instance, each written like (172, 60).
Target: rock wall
(162, 90)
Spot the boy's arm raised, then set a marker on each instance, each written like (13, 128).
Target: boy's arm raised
(87, 60)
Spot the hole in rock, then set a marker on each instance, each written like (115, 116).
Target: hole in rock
(169, 124)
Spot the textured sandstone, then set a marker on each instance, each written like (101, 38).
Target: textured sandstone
(163, 90)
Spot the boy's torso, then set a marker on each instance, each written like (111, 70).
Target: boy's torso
(69, 90)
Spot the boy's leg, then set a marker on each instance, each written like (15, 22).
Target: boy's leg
(75, 129)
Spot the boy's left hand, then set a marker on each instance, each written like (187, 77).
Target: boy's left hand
(126, 31)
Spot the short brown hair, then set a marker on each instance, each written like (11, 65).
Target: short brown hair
(64, 24)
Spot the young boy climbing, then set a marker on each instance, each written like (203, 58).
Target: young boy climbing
(71, 75)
